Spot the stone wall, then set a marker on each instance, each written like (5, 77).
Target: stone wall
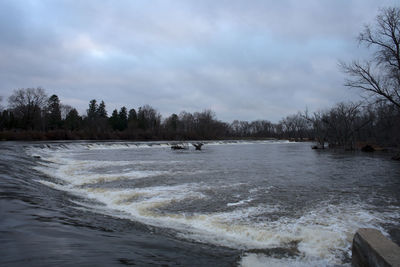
(372, 248)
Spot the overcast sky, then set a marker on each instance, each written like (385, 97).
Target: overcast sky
(244, 60)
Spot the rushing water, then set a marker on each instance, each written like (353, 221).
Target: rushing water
(265, 203)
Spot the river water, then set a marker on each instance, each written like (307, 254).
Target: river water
(235, 203)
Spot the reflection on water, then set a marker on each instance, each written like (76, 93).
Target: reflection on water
(247, 203)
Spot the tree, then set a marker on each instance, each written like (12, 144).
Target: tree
(2, 119)
(385, 125)
(132, 119)
(101, 110)
(114, 120)
(27, 105)
(261, 128)
(380, 76)
(295, 126)
(132, 116)
(343, 124)
(7, 120)
(73, 121)
(123, 119)
(319, 123)
(53, 114)
(186, 123)
(141, 116)
(92, 110)
(119, 120)
(148, 118)
(171, 124)
(65, 109)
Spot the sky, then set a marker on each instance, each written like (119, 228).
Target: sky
(244, 60)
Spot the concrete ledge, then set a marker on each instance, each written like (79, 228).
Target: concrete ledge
(372, 248)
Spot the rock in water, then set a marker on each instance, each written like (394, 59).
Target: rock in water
(179, 146)
(198, 146)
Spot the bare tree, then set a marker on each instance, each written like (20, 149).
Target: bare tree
(29, 97)
(295, 126)
(379, 76)
(319, 122)
(343, 123)
(261, 128)
(27, 104)
(186, 122)
(149, 118)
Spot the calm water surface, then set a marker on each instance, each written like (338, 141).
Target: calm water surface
(265, 203)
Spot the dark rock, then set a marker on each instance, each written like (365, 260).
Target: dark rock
(198, 146)
(178, 147)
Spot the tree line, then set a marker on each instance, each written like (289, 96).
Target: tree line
(32, 115)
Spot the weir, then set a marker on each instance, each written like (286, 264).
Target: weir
(372, 248)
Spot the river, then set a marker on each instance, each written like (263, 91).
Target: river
(235, 203)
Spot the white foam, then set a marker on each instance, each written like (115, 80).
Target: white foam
(323, 234)
(53, 185)
(62, 165)
(77, 172)
(239, 203)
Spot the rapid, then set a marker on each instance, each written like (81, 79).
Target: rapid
(235, 203)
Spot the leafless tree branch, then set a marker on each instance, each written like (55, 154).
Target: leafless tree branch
(380, 77)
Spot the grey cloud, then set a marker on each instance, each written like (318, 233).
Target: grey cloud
(246, 60)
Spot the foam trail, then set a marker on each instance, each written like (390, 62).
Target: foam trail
(324, 233)
(241, 202)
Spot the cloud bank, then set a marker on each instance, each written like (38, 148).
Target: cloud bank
(243, 59)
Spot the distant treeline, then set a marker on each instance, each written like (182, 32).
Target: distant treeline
(32, 115)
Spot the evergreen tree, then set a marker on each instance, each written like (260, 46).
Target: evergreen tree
(53, 113)
(114, 119)
(132, 119)
(123, 119)
(132, 116)
(171, 123)
(141, 119)
(92, 111)
(101, 111)
(73, 121)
